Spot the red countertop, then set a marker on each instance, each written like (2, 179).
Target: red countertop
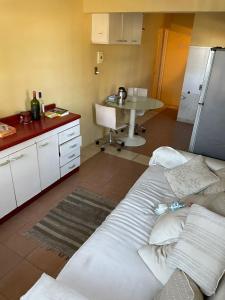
(29, 131)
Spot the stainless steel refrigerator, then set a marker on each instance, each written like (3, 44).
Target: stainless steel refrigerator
(208, 136)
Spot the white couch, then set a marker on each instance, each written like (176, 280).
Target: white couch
(107, 266)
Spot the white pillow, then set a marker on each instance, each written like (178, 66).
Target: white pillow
(168, 227)
(155, 258)
(47, 288)
(167, 157)
(191, 177)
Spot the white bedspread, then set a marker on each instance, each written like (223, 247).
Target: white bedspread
(107, 266)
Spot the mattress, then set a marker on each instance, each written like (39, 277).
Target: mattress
(107, 266)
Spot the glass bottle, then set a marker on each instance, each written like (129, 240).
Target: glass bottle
(35, 107)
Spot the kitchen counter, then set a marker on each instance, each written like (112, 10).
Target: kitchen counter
(25, 132)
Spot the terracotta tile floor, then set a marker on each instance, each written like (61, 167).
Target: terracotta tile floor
(23, 260)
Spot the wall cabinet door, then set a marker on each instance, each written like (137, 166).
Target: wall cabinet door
(117, 28)
(25, 174)
(7, 199)
(48, 159)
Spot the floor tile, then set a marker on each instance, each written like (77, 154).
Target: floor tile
(19, 280)
(8, 260)
(142, 159)
(126, 154)
(46, 260)
(21, 244)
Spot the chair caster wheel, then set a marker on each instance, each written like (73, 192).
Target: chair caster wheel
(122, 144)
(143, 130)
(136, 133)
(116, 131)
(102, 149)
(97, 142)
(119, 149)
(122, 130)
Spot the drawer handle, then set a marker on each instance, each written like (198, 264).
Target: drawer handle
(71, 156)
(72, 167)
(73, 146)
(71, 134)
(5, 163)
(44, 145)
(17, 157)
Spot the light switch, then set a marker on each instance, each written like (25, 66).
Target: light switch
(100, 57)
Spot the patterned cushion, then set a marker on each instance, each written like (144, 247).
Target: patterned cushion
(180, 287)
(200, 251)
(191, 177)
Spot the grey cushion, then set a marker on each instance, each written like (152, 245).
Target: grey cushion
(200, 251)
(179, 287)
(218, 186)
(191, 177)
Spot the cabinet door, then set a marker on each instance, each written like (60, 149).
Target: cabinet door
(132, 27)
(7, 199)
(116, 28)
(48, 159)
(25, 174)
(100, 29)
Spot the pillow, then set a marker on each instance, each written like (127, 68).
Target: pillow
(155, 258)
(168, 227)
(179, 287)
(220, 292)
(167, 157)
(47, 288)
(200, 251)
(213, 202)
(218, 186)
(191, 177)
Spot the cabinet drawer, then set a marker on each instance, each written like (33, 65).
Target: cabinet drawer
(70, 166)
(70, 156)
(69, 146)
(69, 134)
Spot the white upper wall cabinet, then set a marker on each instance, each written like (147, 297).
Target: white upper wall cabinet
(117, 28)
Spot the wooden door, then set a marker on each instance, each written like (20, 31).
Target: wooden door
(25, 174)
(7, 199)
(173, 64)
(48, 160)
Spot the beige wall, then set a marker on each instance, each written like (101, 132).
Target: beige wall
(153, 5)
(45, 45)
(209, 29)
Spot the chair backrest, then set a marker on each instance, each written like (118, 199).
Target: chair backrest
(105, 116)
(138, 92)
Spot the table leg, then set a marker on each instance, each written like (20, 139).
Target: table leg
(133, 140)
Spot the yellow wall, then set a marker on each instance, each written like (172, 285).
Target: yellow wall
(153, 5)
(45, 45)
(209, 29)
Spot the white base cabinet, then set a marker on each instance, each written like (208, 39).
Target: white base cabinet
(30, 167)
(25, 174)
(48, 159)
(7, 198)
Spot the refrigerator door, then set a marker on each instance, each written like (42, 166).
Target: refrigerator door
(209, 130)
(193, 80)
(188, 107)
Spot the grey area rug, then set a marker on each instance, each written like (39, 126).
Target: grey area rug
(67, 226)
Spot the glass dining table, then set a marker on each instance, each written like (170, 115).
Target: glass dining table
(134, 103)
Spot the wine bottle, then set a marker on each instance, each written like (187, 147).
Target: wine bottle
(42, 106)
(35, 107)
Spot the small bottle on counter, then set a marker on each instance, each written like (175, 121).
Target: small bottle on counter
(35, 107)
(42, 106)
